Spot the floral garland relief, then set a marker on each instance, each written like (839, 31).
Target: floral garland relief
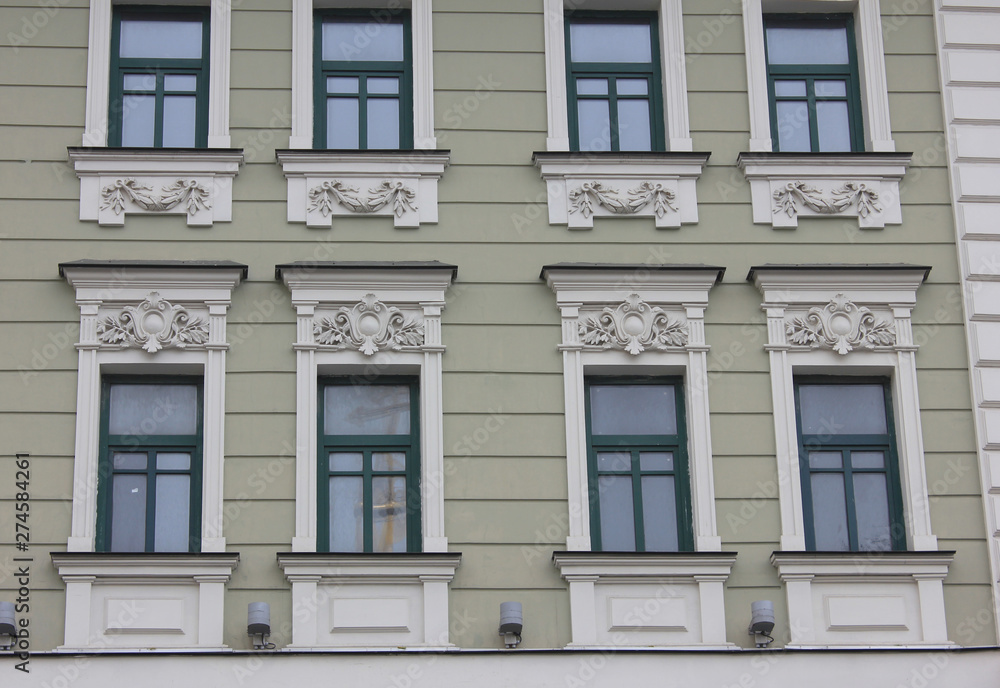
(329, 194)
(187, 192)
(788, 198)
(584, 198)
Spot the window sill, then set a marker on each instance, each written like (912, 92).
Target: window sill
(786, 186)
(324, 184)
(369, 600)
(194, 182)
(651, 599)
(582, 186)
(140, 601)
(872, 599)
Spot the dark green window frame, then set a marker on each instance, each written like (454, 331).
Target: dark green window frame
(612, 72)
(811, 73)
(158, 68)
(367, 445)
(846, 444)
(151, 445)
(363, 70)
(634, 445)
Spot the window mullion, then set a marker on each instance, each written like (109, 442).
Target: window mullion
(811, 109)
(151, 500)
(367, 503)
(851, 506)
(640, 529)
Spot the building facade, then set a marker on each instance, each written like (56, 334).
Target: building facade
(387, 313)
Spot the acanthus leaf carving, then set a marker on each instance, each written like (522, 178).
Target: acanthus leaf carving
(840, 325)
(633, 326)
(788, 198)
(369, 326)
(153, 325)
(646, 193)
(325, 197)
(187, 192)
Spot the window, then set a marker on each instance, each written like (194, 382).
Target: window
(159, 78)
(613, 79)
(150, 466)
(369, 496)
(363, 82)
(812, 81)
(637, 462)
(850, 486)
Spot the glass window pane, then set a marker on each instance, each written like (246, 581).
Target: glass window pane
(367, 409)
(346, 515)
(388, 461)
(610, 42)
(833, 122)
(617, 515)
(174, 39)
(659, 513)
(361, 39)
(592, 87)
(790, 88)
(829, 512)
(139, 82)
(138, 120)
(342, 84)
(842, 409)
(173, 461)
(595, 125)
(347, 461)
(871, 501)
(173, 505)
(807, 45)
(827, 459)
(179, 114)
(632, 87)
(128, 513)
(830, 89)
(656, 461)
(382, 85)
(868, 459)
(633, 125)
(153, 409)
(633, 410)
(793, 126)
(180, 82)
(614, 461)
(383, 123)
(342, 124)
(135, 461)
(389, 514)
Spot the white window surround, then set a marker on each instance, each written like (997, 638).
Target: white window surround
(842, 344)
(95, 132)
(401, 185)
(624, 600)
(321, 290)
(104, 290)
(671, 31)
(144, 602)
(786, 186)
(871, 67)
(116, 182)
(582, 186)
(372, 601)
(846, 599)
(303, 66)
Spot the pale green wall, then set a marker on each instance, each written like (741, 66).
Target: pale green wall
(506, 500)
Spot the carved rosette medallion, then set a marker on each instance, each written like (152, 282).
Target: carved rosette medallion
(152, 325)
(840, 325)
(369, 326)
(633, 326)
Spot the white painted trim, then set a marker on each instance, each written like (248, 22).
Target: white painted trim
(104, 290)
(95, 132)
(422, 34)
(419, 293)
(683, 294)
(891, 295)
(672, 65)
(871, 67)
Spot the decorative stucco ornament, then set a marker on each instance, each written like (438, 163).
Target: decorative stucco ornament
(152, 325)
(633, 326)
(369, 326)
(842, 326)
(187, 192)
(584, 197)
(788, 198)
(335, 192)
